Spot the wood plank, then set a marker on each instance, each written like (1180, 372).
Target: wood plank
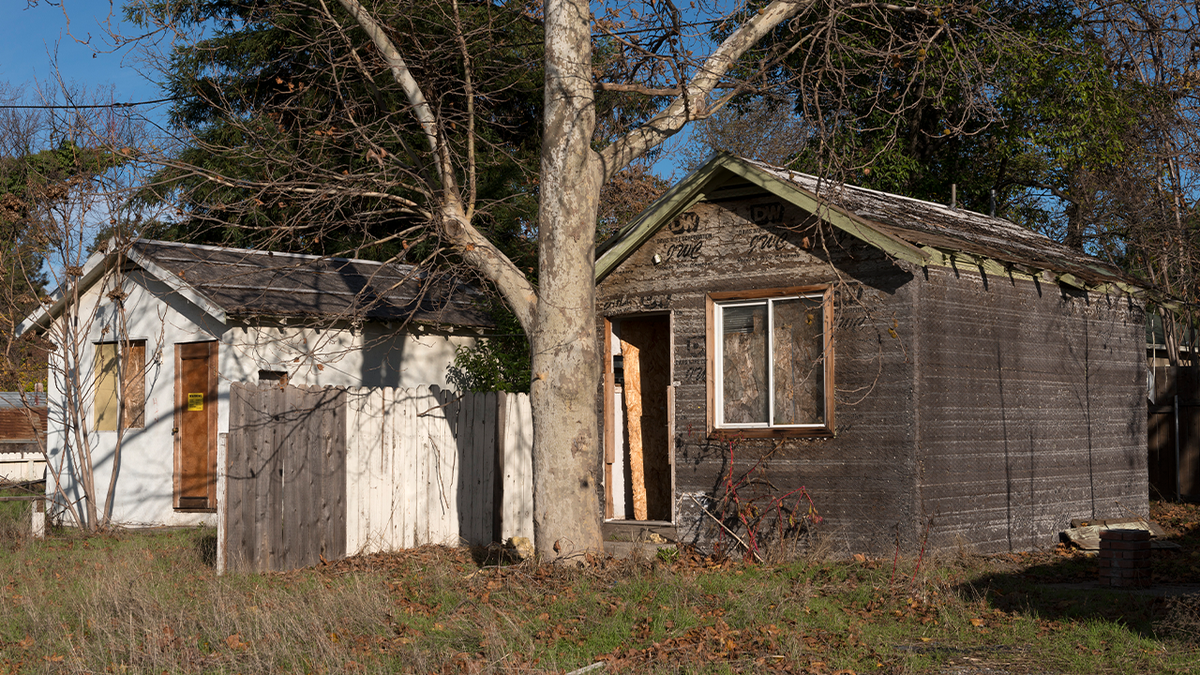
(631, 361)
(501, 481)
(609, 412)
(354, 474)
(448, 461)
(402, 473)
(291, 461)
(670, 512)
(388, 498)
(237, 471)
(260, 461)
(222, 499)
(526, 425)
(311, 449)
(335, 510)
(254, 489)
(407, 477)
(277, 448)
(426, 515)
(429, 498)
(377, 460)
(463, 444)
(486, 439)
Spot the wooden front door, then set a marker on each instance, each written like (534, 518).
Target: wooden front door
(196, 426)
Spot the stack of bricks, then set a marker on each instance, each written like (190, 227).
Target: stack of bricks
(1125, 558)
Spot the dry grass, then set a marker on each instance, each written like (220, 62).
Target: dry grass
(150, 602)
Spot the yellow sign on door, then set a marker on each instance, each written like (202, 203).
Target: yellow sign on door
(195, 402)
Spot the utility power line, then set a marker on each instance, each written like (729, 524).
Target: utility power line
(95, 106)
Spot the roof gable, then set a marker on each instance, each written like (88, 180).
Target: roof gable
(920, 232)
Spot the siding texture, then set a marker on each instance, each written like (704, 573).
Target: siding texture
(1031, 399)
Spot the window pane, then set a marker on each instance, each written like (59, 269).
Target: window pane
(744, 364)
(132, 375)
(106, 403)
(799, 361)
(135, 385)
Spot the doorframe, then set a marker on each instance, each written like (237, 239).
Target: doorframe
(212, 415)
(609, 410)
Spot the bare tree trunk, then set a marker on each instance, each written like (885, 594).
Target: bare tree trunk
(565, 365)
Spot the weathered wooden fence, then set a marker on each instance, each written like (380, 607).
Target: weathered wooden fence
(1173, 433)
(322, 473)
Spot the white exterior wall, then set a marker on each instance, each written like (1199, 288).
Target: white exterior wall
(145, 481)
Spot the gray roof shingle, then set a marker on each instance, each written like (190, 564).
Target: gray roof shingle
(248, 282)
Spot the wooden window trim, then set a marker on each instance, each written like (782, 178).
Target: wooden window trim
(827, 430)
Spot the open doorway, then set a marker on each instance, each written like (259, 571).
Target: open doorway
(639, 476)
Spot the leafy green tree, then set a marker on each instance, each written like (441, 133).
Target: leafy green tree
(278, 98)
(31, 182)
(1048, 120)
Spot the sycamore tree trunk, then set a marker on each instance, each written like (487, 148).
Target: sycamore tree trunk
(559, 316)
(566, 518)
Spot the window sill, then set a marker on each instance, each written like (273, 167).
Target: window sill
(735, 434)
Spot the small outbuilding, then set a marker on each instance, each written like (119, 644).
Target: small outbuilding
(928, 376)
(150, 335)
(22, 431)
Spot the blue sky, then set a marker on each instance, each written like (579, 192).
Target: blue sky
(75, 31)
(70, 38)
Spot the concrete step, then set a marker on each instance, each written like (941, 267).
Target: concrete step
(635, 549)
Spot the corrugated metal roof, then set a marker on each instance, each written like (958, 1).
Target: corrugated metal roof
(939, 226)
(247, 282)
(12, 399)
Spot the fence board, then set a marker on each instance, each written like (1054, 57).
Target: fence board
(485, 455)
(449, 461)
(306, 449)
(319, 473)
(354, 472)
(278, 404)
(423, 401)
(516, 498)
(1176, 392)
(234, 536)
(290, 446)
(334, 489)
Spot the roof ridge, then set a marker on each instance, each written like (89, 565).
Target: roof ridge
(897, 196)
(258, 251)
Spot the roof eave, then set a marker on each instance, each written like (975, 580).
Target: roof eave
(40, 319)
(101, 263)
(675, 201)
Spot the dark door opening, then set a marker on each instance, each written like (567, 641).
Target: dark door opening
(638, 469)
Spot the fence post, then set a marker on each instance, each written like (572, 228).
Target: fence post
(222, 498)
(38, 524)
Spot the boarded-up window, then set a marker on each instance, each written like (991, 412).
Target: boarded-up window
(120, 378)
(772, 366)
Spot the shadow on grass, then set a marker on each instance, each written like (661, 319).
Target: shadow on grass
(206, 548)
(1065, 586)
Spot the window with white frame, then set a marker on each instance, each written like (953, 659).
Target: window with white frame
(772, 361)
